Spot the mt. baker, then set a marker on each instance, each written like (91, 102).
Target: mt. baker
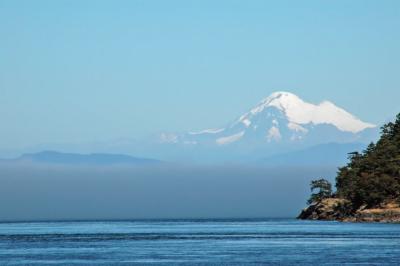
(282, 128)
(282, 118)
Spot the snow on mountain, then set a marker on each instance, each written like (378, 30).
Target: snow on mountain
(230, 139)
(299, 113)
(210, 130)
(281, 118)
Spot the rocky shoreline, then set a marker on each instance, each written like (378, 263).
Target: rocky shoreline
(337, 209)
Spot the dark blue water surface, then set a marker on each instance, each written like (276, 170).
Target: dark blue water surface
(200, 242)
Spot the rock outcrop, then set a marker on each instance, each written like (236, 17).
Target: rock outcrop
(387, 213)
(326, 209)
(337, 209)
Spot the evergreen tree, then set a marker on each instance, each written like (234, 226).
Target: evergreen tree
(373, 176)
(324, 190)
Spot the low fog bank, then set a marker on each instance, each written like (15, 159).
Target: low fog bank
(29, 192)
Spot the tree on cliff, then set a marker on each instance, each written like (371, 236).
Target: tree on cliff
(323, 188)
(373, 176)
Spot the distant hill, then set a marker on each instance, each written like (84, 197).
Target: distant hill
(54, 157)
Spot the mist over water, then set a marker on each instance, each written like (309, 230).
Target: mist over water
(32, 192)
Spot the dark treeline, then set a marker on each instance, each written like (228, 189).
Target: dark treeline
(373, 176)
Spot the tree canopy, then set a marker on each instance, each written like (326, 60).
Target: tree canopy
(373, 176)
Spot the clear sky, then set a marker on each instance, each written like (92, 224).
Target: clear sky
(75, 71)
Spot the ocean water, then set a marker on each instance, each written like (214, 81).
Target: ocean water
(200, 242)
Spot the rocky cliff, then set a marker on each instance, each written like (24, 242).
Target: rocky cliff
(336, 209)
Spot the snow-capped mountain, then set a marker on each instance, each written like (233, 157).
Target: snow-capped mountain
(281, 125)
(280, 122)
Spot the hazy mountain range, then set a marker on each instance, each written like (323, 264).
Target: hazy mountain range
(280, 124)
(281, 129)
(54, 157)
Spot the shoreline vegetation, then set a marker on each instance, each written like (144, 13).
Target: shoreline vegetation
(367, 188)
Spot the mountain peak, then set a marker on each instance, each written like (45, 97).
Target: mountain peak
(280, 94)
(279, 99)
(300, 112)
(282, 118)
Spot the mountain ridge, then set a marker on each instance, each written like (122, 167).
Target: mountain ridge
(63, 158)
(279, 123)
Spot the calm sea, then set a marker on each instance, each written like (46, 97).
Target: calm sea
(200, 242)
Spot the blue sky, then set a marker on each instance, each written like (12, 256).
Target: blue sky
(74, 71)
